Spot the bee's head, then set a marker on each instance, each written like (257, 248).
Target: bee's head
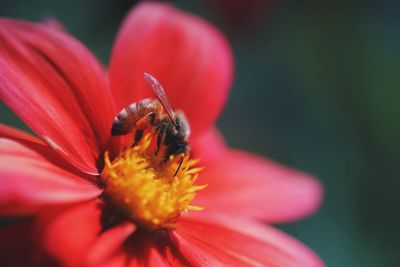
(181, 125)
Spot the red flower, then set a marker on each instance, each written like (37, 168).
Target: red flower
(55, 184)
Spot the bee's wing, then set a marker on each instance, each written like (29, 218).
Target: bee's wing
(160, 93)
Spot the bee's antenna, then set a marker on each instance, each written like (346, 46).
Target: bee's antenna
(177, 170)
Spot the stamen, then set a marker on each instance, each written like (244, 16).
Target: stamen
(148, 190)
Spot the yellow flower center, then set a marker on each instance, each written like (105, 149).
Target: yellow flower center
(147, 189)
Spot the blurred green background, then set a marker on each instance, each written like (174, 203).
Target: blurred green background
(316, 88)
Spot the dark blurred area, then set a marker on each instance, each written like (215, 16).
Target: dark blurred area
(316, 88)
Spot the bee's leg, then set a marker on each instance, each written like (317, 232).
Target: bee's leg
(146, 121)
(138, 136)
(142, 124)
(160, 136)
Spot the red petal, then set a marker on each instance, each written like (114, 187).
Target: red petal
(118, 260)
(67, 234)
(216, 240)
(58, 88)
(245, 184)
(28, 181)
(74, 236)
(154, 259)
(107, 243)
(54, 23)
(190, 58)
(145, 254)
(20, 136)
(209, 146)
(33, 143)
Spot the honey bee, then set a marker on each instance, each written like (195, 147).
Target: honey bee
(171, 127)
